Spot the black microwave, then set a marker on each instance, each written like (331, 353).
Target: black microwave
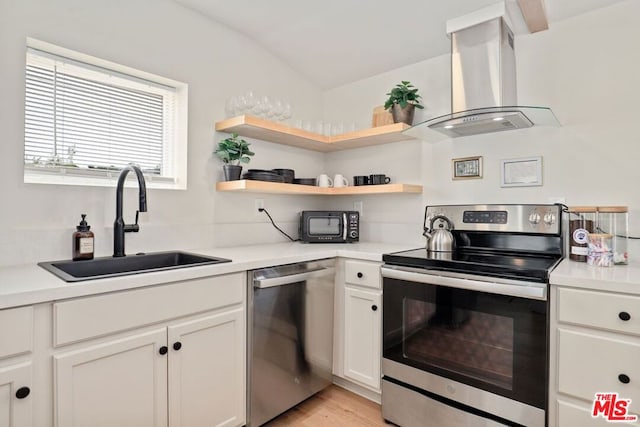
(329, 226)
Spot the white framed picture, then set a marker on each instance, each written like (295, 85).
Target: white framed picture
(523, 172)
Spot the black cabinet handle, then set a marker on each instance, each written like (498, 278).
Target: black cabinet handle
(374, 307)
(624, 379)
(623, 315)
(23, 392)
(163, 350)
(360, 275)
(177, 345)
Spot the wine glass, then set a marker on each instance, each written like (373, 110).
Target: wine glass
(231, 106)
(286, 111)
(250, 102)
(278, 108)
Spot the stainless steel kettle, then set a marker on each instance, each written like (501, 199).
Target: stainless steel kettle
(440, 240)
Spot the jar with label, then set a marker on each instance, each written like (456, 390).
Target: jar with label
(614, 220)
(600, 250)
(581, 223)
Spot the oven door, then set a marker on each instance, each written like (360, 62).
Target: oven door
(462, 330)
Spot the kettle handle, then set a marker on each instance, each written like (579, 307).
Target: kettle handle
(442, 217)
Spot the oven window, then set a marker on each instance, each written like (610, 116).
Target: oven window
(496, 343)
(470, 343)
(324, 226)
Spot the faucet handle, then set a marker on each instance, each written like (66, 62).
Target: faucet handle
(128, 228)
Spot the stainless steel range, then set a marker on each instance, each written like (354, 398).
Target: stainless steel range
(465, 331)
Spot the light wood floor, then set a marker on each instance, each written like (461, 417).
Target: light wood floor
(332, 407)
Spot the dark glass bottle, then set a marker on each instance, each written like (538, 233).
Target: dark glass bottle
(83, 241)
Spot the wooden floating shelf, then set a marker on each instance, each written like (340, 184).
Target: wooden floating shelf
(254, 127)
(250, 186)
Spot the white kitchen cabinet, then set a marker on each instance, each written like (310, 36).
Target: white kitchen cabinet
(166, 363)
(16, 346)
(594, 348)
(357, 327)
(118, 383)
(207, 371)
(15, 399)
(362, 345)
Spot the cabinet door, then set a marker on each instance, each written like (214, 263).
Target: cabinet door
(206, 371)
(15, 407)
(119, 383)
(362, 341)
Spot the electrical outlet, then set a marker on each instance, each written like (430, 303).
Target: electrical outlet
(259, 204)
(357, 206)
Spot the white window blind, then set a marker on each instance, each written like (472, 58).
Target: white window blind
(82, 119)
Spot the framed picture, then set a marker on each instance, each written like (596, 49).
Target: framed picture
(467, 168)
(524, 172)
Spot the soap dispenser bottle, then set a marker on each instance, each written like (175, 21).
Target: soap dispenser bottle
(83, 241)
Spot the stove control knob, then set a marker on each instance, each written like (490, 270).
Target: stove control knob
(534, 218)
(549, 218)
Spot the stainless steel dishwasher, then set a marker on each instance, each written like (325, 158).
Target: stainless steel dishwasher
(290, 336)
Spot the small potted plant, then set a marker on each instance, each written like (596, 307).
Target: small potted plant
(403, 100)
(233, 151)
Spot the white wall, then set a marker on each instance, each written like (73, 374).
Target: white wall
(161, 37)
(585, 68)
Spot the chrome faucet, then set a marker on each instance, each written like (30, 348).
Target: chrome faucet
(119, 227)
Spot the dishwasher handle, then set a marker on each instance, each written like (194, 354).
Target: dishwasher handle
(293, 278)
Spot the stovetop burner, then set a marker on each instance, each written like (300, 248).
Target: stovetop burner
(512, 266)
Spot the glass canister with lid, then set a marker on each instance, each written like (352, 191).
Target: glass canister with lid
(614, 220)
(582, 221)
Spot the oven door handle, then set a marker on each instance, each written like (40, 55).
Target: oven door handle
(536, 291)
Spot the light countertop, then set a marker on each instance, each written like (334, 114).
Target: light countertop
(619, 278)
(30, 284)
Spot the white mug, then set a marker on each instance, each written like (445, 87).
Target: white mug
(340, 181)
(324, 181)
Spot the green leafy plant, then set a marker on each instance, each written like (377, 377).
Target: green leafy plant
(404, 93)
(234, 149)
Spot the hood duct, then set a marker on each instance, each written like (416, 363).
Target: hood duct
(483, 86)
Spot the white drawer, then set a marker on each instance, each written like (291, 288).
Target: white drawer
(570, 415)
(590, 364)
(362, 273)
(600, 310)
(90, 317)
(16, 331)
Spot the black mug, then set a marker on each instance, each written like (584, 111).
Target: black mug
(379, 179)
(360, 180)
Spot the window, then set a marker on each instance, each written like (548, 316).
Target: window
(86, 118)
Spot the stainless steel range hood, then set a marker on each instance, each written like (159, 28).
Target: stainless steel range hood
(483, 86)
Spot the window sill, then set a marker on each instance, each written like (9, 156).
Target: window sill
(55, 176)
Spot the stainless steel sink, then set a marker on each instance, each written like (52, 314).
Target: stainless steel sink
(98, 268)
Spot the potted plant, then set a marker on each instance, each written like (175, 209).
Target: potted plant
(233, 151)
(403, 100)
